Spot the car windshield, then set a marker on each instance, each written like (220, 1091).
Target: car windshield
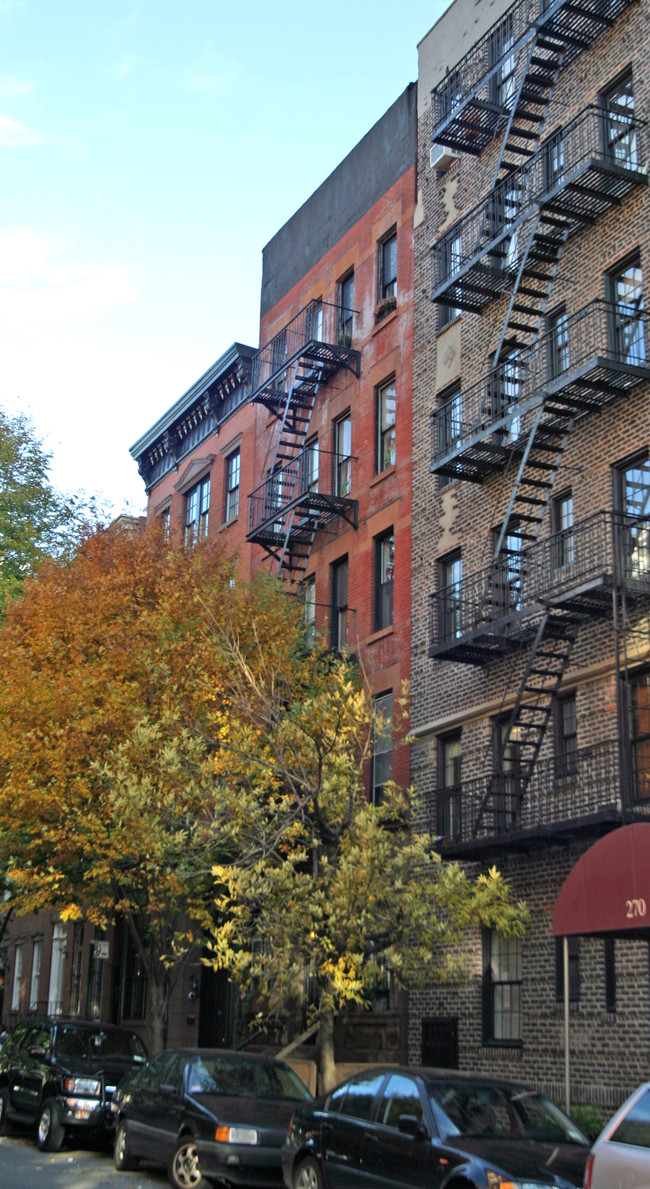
(242, 1078)
(475, 1108)
(98, 1042)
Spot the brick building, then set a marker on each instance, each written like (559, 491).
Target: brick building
(531, 496)
(299, 455)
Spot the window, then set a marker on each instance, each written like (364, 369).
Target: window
(634, 1129)
(388, 267)
(385, 426)
(37, 954)
(197, 504)
(620, 131)
(309, 605)
(382, 745)
(384, 569)
(640, 734)
(165, 521)
(450, 577)
(501, 989)
(506, 800)
(505, 382)
(506, 573)
(310, 460)
(358, 1096)
(346, 310)
(558, 343)
(343, 456)
(563, 541)
(553, 160)
(632, 496)
(626, 296)
(18, 977)
(566, 736)
(57, 966)
(449, 788)
(450, 265)
(339, 627)
(450, 426)
(502, 81)
(574, 969)
(233, 463)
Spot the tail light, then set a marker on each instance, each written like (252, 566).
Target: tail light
(588, 1172)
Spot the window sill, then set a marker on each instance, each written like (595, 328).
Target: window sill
(383, 475)
(385, 320)
(381, 633)
(448, 325)
(227, 523)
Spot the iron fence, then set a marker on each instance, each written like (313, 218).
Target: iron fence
(317, 325)
(315, 478)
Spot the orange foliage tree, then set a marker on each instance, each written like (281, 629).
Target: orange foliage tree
(108, 803)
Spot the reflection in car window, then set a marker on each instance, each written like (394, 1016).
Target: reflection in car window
(400, 1097)
(477, 1108)
(38, 1036)
(635, 1127)
(97, 1042)
(239, 1077)
(361, 1094)
(152, 1075)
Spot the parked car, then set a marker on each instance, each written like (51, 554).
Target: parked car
(209, 1115)
(60, 1075)
(621, 1154)
(428, 1127)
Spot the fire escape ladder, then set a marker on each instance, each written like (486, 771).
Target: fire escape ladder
(520, 742)
(298, 531)
(529, 107)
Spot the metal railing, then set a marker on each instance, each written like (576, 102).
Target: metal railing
(570, 151)
(511, 31)
(317, 479)
(562, 789)
(603, 550)
(317, 326)
(600, 335)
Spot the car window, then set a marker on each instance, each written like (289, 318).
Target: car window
(241, 1077)
(400, 1097)
(361, 1094)
(153, 1073)
(72, 1041)
(38, 1036)
(14, 1039)
(635, 1127)
(478, 1108)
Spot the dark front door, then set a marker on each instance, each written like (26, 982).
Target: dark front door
(440, 1042)
(215, 1010)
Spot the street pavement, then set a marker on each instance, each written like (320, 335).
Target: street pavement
(22, 1166)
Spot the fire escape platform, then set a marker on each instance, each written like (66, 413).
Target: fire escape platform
(465, 116)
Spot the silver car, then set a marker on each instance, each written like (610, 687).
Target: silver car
(620, 1157)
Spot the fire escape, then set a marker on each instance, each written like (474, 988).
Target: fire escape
(303, 491)
(544, 375)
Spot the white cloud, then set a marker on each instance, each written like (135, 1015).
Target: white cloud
(13, 88)
(15, 135)
(37, 284)
(211, 73)
(128, 65)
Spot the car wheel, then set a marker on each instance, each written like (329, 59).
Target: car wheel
(308, 1175)
(123, 1158)
(5, 1123)
(50, 1132)
(183, 1168)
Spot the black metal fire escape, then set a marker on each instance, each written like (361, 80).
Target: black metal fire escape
(299, 496)
(510, 244)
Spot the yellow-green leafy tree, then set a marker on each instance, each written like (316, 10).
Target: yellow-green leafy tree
(321, 886)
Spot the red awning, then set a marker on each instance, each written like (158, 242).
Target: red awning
(608, 890)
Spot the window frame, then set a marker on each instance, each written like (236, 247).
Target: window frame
(505, 988)
(450, 578)
(346, 310)
(339, 625)
(383, 600)
(574, 969)
(342, 461)
(381, 704)
(231, 504)
(195, 527)
(387, 269)
(385, 452)
(562, 531)
(565, 736)
(612, 136)
(627, 314)
(449, 799)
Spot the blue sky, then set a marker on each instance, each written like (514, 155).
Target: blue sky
(148, 151)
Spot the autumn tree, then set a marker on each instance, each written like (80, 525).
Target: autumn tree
(331, 885)
(36, 521)
(107, 797)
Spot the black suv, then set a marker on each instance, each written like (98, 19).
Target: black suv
(60, 1074)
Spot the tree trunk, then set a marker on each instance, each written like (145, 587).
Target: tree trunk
(327, 1070)
(156, 1010)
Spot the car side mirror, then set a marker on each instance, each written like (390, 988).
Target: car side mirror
(168, 1090)
(411, 1125)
